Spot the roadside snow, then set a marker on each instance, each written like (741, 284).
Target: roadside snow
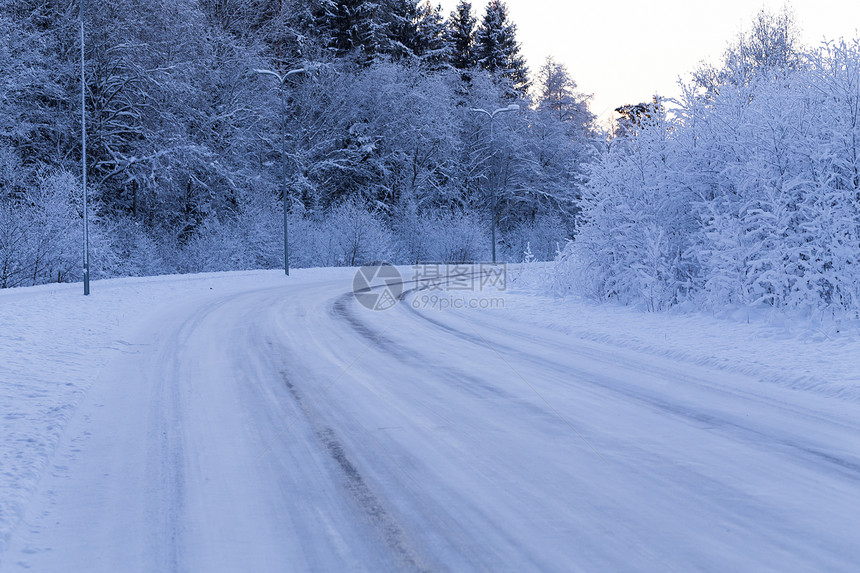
(53, 343)
(821, 355)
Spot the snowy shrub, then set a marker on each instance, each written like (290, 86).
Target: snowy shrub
(349, 235)
(307, 242)
(131, 251)
(444, 236)
(215, 246)
(39, 234)
(747, 194)
(414, 235)
(636, 242)
(459, 237)
(13, 244)
(569, 275)
(544, 238)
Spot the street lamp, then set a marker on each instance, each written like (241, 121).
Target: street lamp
(84, 160)
(492, 116)
(282, 78)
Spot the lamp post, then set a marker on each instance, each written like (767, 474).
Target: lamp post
(84, 160)
(282, 78)
(492, 116)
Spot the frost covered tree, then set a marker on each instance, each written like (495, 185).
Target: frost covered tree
(748, 194)
(185, 159)
(558, 95)
(561, 141)
(351, 27)
(383, 134)
(157, 115)
(637, 241)
(401, 29)
(38, 233)
(461, 36)
(497, 49)
(432, 46)
(37, 119)
(771, 44)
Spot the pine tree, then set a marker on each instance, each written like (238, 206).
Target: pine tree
(432, 46)
(401, 29)
(351, 28)
(497, 50)
(461, 37)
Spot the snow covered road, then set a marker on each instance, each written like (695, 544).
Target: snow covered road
(287, 428)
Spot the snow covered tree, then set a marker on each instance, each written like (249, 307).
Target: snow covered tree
(286, 28)
(773, 43)
(461, 36)
(39, 233)
(351, 27)
(558, 95)
(638, 235)
(401, 29)
(184, 139)
(497, 49)
(749, 195)
(560, 140)
(37, 118)
(382, 134)
(631, 118)
(432, 46)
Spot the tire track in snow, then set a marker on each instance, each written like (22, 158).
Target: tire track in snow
(167, 455)
(850, 468)
(369, 504)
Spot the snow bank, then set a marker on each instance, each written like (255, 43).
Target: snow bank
(53, 343)
(802, 352)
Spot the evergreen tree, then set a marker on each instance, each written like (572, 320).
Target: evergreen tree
(632, 117)
(401, 29)
(365, 29)
(432, 46)
(461, 37)
(497, 50)
(350, 27)
(561, 139)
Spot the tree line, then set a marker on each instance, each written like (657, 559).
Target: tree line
(745, 191)
(385, 158)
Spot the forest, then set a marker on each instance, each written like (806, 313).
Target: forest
(205, 117)
(745, 192)
(203, 114)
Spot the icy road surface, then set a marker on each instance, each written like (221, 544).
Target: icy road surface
(288, 428)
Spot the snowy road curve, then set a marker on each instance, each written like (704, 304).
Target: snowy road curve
(290, 429)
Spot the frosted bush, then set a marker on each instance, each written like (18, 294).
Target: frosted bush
(543, 237)
(349, 235)
(441, 236)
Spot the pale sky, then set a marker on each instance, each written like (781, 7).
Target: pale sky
(625, 51)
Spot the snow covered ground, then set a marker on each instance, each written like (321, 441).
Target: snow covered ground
(253, 422)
